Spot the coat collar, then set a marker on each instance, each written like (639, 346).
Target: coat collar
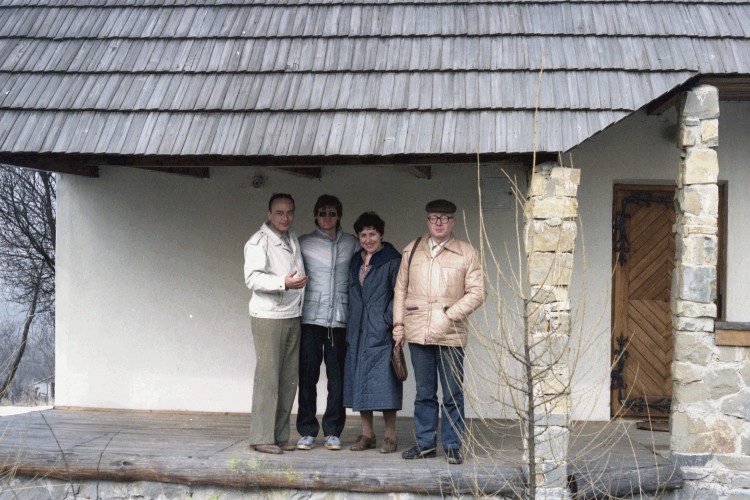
(274, 237)
(452, 245)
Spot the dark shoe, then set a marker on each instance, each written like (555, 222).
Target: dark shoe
(363, 443)
(268, 448)
(454, 456)
(286, 446)
(416, 452)
(389, 445)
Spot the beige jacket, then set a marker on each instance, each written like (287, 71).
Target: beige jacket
(435, 296)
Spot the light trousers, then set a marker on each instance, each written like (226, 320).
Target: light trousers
(275, 383)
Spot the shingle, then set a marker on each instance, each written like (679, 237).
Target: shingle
(414, 77)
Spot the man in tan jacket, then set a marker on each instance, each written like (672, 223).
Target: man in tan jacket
(440, 283)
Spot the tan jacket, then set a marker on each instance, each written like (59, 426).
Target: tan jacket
(432, 304)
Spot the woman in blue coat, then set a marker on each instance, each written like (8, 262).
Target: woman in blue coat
(370, 383)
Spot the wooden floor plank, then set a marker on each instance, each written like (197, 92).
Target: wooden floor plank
(201, 449)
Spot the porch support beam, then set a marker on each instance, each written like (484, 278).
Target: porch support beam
(550, 232)
(702, 381)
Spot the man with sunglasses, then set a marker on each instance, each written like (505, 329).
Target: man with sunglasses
(327, 252)
(440, 283)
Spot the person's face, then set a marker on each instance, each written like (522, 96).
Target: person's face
(327, 218)
(281, 215)
(440, 226)
(370, 239)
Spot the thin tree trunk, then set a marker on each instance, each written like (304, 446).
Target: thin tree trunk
(24, 339)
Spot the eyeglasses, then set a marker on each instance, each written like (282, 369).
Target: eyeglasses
(433, 219)
(327, 214)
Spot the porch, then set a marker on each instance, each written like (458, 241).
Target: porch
(79, 446)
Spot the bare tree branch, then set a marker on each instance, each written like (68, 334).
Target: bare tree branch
(27, 248)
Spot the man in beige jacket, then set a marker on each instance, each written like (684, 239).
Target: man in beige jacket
(440, 283)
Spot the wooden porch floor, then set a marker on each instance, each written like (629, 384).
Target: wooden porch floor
(609, 459)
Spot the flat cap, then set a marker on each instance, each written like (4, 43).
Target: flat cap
(440, 207)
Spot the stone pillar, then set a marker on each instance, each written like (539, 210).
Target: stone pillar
(549, 236)
(696, 429)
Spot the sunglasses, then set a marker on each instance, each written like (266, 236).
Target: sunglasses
(327, 214)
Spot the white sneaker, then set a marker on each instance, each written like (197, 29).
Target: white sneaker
(306, 443)
(333, 443)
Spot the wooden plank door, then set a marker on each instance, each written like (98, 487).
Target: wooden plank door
(643, 260)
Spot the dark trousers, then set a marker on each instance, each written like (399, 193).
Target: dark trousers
(318, 343)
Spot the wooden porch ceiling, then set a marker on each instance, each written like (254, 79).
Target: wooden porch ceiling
(200, 449)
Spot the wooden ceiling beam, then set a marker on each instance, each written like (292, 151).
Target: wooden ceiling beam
(421, 171)
(306, 172)
(200, 172)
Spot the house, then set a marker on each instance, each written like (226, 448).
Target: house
(171, 125)
(44, 390)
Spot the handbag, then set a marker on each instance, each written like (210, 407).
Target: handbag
(397, 354)
(399, 363)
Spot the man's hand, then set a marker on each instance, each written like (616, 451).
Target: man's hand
(293, 283)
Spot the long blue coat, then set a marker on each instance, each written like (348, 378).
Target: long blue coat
(369, 380)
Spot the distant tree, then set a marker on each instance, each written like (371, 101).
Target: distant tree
(27, 248)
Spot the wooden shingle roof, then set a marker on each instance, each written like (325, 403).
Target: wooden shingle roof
(341, 78)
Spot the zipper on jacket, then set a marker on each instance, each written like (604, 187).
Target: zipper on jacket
(332, 280)
(429, 299)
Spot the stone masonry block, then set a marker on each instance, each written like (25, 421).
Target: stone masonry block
(693, 347)
(697, 249)
(551, 444)
(737, 405)
(686, 373)
(710, 133)
(692, 433)
(553, 381)
(693, 324)
(553, 207)
(549, 349)
(689, 309)
(545, 268)
(701, 102)
(689, 136)
(550, 474)
(551, 235)
(547, 294)
(744, 371)
(699, 199)
(701, 166)
(685, 219)
(722, 381)
(565, 181)
(548, 318)
(684, 395)
(695, 284)
(540, 179)
(686, 230)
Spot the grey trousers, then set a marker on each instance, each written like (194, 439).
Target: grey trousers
(275, 384)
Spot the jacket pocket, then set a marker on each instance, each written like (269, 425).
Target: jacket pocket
(440, 323)
(311, 307)
(453, 280)
(341, 308)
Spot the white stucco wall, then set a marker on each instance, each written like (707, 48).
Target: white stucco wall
(152, 307)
